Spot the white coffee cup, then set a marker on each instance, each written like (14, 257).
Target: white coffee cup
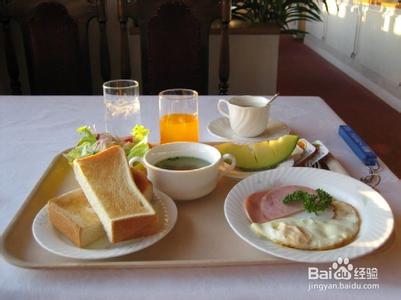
(185, 184)
(248, 115)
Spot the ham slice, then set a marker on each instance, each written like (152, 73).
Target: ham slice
(265, 206)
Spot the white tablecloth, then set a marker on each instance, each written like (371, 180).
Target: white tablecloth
(34, 129)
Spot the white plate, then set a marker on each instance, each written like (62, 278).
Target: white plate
(50, 239)
(241, 174)
(377, 219)
(221, 128)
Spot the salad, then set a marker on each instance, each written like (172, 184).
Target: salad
(91, 143)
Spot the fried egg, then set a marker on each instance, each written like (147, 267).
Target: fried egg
(328, 230)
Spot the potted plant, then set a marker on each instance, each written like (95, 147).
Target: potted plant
(280, 12)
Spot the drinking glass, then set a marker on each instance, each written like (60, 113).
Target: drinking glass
(178, 110)
(122, 108)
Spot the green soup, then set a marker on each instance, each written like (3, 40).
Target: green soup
(182, 163)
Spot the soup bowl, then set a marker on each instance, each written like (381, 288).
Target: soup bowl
(185, 184)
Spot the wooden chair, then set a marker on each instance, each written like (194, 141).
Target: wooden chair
(55, 37)
(174, 37)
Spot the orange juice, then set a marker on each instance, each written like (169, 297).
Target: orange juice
(179, 128)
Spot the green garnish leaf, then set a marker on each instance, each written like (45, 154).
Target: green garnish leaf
(140, 141)
(86, 145)
(140, 133)
(87, 135)
(312, 203)
(138, 150)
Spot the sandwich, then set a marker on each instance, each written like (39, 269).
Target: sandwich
(106, 180)
(73, 216)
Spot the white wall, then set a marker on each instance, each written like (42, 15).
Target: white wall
(365, 42)
(253, 64)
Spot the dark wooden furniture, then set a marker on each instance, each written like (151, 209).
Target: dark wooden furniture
(174, 37)
(55, 37)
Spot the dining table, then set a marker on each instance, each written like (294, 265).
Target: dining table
(34, 129)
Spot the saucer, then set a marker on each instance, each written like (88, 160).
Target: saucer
(221, 128)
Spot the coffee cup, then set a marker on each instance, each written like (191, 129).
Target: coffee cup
(248, 115)
(185, 184)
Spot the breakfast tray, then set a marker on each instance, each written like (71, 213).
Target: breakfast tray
(201, 236)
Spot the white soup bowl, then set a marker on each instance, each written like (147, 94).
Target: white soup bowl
(185, 184)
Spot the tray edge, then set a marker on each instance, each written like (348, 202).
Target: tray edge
(6, 255)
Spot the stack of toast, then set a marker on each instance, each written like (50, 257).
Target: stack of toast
(112, 200)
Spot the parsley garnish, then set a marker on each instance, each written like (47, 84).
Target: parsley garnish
(312, 203)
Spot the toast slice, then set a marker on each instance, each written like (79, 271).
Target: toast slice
(72, 215)
(107, 183)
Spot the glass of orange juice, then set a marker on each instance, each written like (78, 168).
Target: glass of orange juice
(179, 121)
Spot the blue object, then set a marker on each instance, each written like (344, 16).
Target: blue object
(358, 146)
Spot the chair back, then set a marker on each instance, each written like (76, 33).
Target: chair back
(56, 46)
(174, 38)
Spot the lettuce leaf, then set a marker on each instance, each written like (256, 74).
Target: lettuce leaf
(87, 136)
(140, 134)
(86, 145)
(91, 143)
(140, 141)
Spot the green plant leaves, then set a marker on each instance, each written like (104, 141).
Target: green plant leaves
(279, 12)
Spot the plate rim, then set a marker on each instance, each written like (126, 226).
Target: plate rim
(308, 258)
(170, 210)
(246, 140)
(285, 164)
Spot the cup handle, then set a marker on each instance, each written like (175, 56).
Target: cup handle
(233, 163)
(220, 107)
(135, 159)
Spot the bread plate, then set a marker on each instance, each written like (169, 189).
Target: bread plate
(53, 241)
(377, 219)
